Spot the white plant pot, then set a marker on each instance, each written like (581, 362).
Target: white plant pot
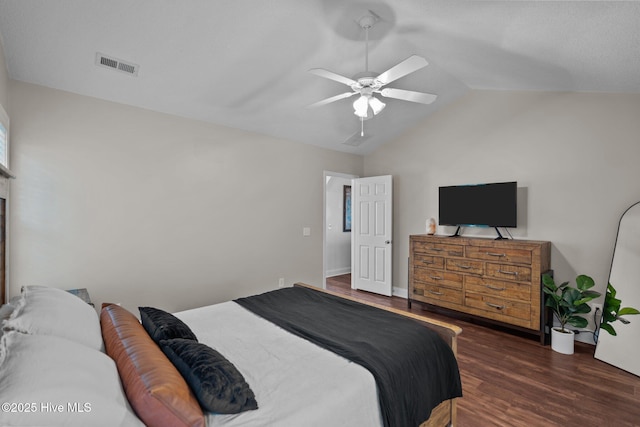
(562, 342)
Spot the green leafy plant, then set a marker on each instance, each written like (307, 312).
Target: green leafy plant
(569, 303)
(612, 311)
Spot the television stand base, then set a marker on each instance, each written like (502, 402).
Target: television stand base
(500, 236)
(457, 233)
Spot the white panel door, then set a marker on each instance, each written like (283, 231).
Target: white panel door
(371, 234)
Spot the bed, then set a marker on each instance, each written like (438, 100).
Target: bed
(60, 366)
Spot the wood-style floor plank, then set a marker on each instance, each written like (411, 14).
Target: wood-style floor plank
(512, 381)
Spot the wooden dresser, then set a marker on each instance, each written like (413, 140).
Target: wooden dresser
(498, 280)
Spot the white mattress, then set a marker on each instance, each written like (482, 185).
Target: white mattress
(296, 383)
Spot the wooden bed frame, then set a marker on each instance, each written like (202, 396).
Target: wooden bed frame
(445, 413)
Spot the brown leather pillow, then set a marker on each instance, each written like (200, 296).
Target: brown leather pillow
(154, 387)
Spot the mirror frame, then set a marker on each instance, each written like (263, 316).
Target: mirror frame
(621, 350)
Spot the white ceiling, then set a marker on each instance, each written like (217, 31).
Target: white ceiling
(244, 64)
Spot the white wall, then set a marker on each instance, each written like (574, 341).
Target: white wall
(576, 157)
(338, 241)
(145, 208)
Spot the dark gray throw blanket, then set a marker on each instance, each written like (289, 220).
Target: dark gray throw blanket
(414, 369)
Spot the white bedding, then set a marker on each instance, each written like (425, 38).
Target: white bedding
(296, 383)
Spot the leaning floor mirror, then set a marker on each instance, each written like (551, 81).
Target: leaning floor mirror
(622, 350)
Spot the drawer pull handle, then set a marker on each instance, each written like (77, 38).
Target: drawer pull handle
(496, 254)
(512, 273)
(436, 277)
(436, 293)
(436, 249)
(493, 288)
(499, 307)
(463, 266)
(428, 262)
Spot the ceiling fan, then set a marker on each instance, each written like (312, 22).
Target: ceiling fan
(367, 83)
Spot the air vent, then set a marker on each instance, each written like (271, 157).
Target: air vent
(107, 61)
(356, 139)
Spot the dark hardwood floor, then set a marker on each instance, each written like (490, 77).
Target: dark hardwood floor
(513, 381)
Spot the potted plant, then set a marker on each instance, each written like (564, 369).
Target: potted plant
(568, 305)
(612, 311)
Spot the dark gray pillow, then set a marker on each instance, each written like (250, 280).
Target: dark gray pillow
(161, 325)
(217, 384)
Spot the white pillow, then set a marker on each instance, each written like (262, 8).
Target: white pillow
(51, 311)
(51, 381)
(5, 313)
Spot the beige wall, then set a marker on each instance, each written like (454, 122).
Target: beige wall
(4, 80)
(145, 208)
(575, 157)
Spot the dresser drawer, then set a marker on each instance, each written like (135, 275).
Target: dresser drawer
(498, 288)
(438, 277)
(509, 272)
(433, 293)
(442, 249)
(505, 308)
(507, 255)
(465, 266)
(428, 261)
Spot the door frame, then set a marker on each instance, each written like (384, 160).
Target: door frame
(325, 175)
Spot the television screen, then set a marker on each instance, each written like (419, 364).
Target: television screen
(488, 205)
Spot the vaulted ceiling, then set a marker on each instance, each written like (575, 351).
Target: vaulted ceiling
(244, 63)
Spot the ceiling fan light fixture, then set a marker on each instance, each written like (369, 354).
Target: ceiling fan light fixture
(361, 106)
(376, 105)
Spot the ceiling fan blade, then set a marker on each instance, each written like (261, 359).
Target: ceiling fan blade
(332, 76)
(332, 99)
(408, 95)
(408, 66)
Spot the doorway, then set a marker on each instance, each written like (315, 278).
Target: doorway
(372, 226)
(336, 240)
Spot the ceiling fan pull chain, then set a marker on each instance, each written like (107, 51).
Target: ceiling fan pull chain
(361, 126)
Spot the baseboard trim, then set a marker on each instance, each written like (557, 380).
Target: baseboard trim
(338, 272)
(401, 292)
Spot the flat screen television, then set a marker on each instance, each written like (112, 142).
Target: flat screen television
(480, 205)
